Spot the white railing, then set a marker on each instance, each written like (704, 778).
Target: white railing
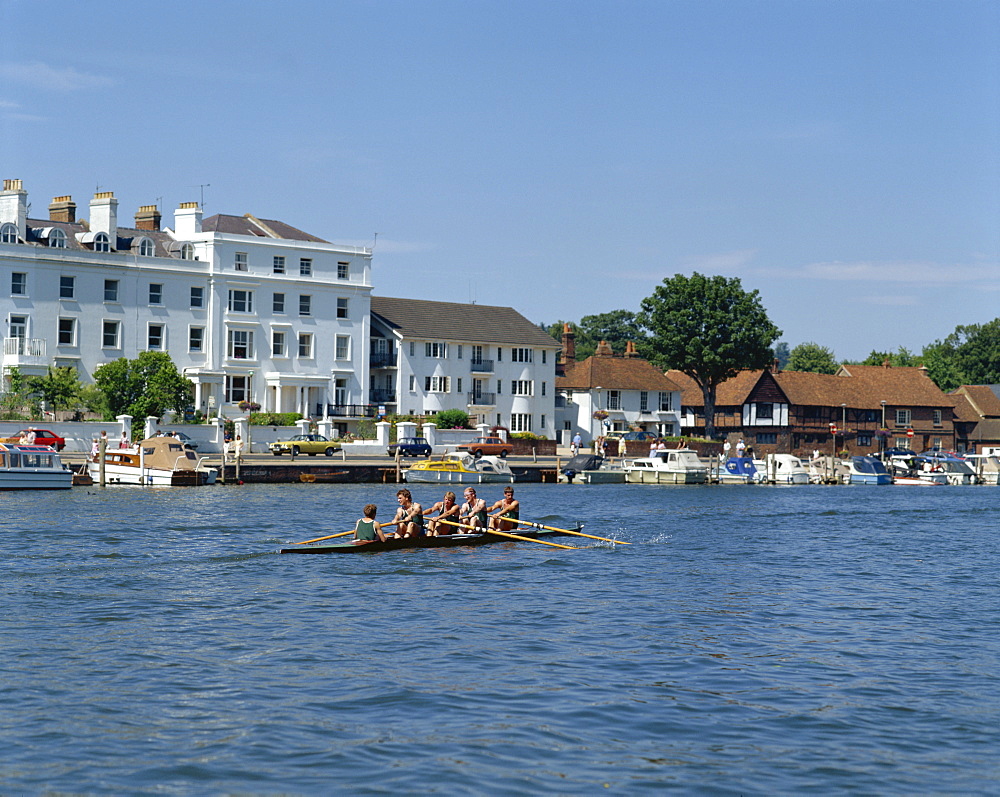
(28, 347)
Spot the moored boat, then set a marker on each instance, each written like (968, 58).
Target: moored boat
(157, 461)
(443, 541)
(866, 470)
(782, 469)
(739, 470)
(459, 468)
(31, 467)
(590, 469)
(673, 466)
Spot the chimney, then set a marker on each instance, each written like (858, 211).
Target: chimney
(104, 215)
(885, 363)
(775, 366)
(14, 207)
(63, 208)
(630, 351)
(604, 350)
(148, 217)
(187, 221)
(568, 354)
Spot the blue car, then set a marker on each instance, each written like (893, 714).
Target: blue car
(410, 447)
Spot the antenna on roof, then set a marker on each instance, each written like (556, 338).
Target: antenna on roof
(202, 186)
(375, 241)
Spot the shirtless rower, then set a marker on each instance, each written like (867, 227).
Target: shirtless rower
(447, 509)
(409, 518)
(509, 507)
(473, 512)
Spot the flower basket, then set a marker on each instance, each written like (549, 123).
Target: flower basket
(600, 415)
(249, 406)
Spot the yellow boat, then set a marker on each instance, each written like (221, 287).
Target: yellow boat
(459, 469)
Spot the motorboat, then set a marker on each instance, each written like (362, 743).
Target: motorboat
(986, 467)
(908, 470)
(32, 467)
(866, 470)
(157, 461)
(739, 470)
(459, 468)
(782, 469)
(590, 469)
(672, 466)
(958, 471)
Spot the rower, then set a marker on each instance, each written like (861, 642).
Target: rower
(473, 512)
(367, 529)
(446, 509)
(409, 519)
(509, 506)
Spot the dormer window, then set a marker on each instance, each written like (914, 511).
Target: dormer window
(102, 243)
(187, 252)
(145, 247)
(57, 238)
(8, 234)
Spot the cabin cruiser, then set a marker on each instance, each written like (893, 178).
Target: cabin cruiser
(672, 466)
(782, 469)
(32, 467)
(459, 468)
(957, 469)
(590, 469)
(739, 470)
(986, 467)
(158, 461)
(866, 470)
(910, 470)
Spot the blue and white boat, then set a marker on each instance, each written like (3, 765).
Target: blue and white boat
(31, 467)
(867, 470)
(739, 470)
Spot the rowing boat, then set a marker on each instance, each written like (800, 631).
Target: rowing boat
(444, 541)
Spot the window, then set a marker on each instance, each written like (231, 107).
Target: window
(110, 334)
(499, 354)
(278, 264)
(666, 401)
(102, 243)
(240, 301)
(18, 283)
(413, 384)
(305, 267)
(111, 290)
(543, 388)
(197, 296)
(522, 387)
(67, 287)
(305, 345)
(614, 399)
(305, 304)
(57, 239)
(341, 308)
(902, 417)
(903, 442)
(237, 389)
(342, 347)
(277, 344)
(938, 417)
(67, 331)
(239, 344)
(864, 440)
(643, 401)
(765, 410)
(8, 234)
(520, 422)
(541, 424)
(240, 263)
(146, 248)
(520, 356)
(438, 350)
(154, 337)
(278, 303)
(155, 293)
(767, 438)
(196, 339)
(543, 363)
(437, 384)
(343, 270)
(187, 252)
(458, 387)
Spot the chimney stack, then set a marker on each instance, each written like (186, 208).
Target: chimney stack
(148, 217)
(604, 350)
(630, 351)
(568, 354)
(187, 221)
(14, 207)
(63, 208)
(104, 215)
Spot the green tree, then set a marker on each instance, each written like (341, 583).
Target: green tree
(813, 358)
(452, 419)
(968, 356)
(617, 327)
(59, 388)
(708, 328)
(17, 396)
(781, 354)
(902, 358)
(147, 385)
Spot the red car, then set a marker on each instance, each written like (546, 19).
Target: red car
(43, 437)
(491, 446)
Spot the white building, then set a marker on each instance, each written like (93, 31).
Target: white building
(248, 309)
(490, 362)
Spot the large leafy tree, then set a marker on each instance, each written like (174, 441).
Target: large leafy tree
(708, 328)
(813, 358)
(59, 388)
(617, 327)
(147, 385)
(968, 356)
(901, 358)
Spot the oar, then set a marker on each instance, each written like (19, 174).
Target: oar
(512, 536)
(568, 531)
(328, 537)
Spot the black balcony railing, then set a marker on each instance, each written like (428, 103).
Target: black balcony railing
(348, 410)
(482, 399)
(482, 366)
(382, 396)
(382, 360)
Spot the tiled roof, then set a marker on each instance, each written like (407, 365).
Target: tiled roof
(261, 228)
(964, 411)
(452, 321)
(983, 400)
(897, 386)
(614, 373)
(127, 236)
(732, 392)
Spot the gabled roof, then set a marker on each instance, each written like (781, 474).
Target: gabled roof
(982, 399)
(899, 386)
(733, 392)
(614, 373)
(964, 411)
(259, 228)
(452, 321)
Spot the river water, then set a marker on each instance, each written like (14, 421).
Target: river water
(751, 640)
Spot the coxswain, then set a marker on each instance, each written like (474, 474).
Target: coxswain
(509, 507)
(367, 529)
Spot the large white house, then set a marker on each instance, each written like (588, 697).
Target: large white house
(490, 362)
(248, 309)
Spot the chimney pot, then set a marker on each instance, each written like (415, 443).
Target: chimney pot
(63, 208)
(148, 217)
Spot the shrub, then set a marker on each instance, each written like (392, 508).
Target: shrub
(452, 419)
(274, 418)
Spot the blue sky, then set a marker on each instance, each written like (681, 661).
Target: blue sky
(558, 157)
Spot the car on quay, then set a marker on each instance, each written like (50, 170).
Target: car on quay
(410, 447)
(311, 444)
(43, 437)
(488, 446)
(640, 436)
